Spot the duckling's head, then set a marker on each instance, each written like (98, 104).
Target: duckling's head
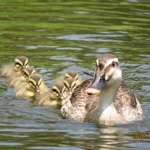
(107, 73)
(20, 63)
(72, 75)
(35, 83)
(58, 92)
(70, 84)
(27, 72)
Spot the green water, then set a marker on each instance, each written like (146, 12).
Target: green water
(62, 35)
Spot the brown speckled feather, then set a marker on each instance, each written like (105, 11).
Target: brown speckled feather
(75, 105)
(125, 101)
(125, 97)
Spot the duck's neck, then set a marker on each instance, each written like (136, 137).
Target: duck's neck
(107, 96)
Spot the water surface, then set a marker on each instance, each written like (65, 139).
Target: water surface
(61, 36)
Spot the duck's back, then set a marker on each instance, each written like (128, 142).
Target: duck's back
(80, 103)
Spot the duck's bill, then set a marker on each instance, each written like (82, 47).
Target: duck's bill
(92, 91)
(98, 83)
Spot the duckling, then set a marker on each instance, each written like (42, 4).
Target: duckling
(61, 90)
(28, 71)
(70, 84)
(64, 86)
(14, 69)
(70, 80)
(34, 86)
(105, 99)
(75, 76)
(55, 97)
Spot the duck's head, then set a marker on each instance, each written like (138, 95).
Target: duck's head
(35, 83)
(58, 92)
(20, 63)
(107, 73)
(27, 72)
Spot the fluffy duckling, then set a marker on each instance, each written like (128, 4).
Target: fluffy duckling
(28, 71)
(64, 87)
(73, 76)
(14, 69)
(70, 84)
(61, 90)
(42, 95)
(55, 97)
(34, 86)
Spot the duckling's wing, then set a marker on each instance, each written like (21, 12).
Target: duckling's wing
(7, 70)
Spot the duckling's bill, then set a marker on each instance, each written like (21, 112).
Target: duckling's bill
(37, 89)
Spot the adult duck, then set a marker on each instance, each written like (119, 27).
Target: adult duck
(105, 99)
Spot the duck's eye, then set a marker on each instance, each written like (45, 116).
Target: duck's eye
(113, 64)
(101, 66)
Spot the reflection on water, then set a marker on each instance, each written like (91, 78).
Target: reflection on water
(63, 36)
(102, 37)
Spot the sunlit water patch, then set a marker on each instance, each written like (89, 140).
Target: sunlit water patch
(101, 37)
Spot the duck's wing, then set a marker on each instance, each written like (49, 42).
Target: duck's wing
(125, 97)
(79, 94)
(79, 103)
(127, 104)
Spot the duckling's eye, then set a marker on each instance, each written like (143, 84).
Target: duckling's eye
(76, 78)
(32, 84)
(54, 91)
(39, 83)
(73, 85)
(18, 64)
(25, 74)
(63, 91)
(26, 64)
